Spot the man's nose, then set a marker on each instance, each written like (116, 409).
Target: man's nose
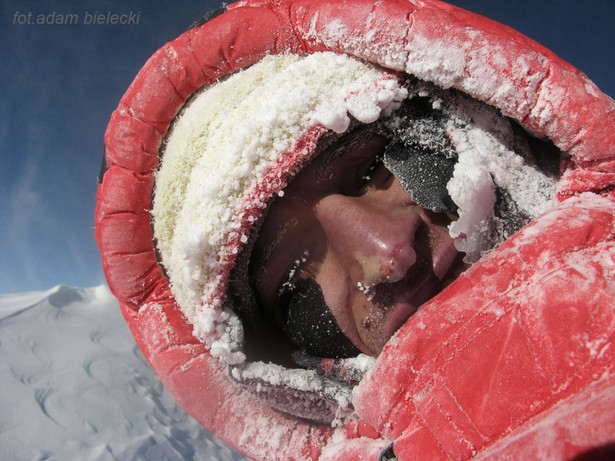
(375, 243)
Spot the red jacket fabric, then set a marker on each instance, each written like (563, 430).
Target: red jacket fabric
(514, 360)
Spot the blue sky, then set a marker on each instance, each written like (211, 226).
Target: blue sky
(60, 83)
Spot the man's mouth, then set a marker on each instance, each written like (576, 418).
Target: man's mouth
(437, 266)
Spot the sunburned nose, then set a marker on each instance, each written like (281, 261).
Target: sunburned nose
(374, 243)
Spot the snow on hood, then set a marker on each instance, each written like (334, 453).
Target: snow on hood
(491, 156)
(232, 138)
(222, 146)
(427, 40)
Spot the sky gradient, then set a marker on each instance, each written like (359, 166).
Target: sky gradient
(60, 83)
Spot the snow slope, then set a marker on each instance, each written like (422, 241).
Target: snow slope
(76, 387)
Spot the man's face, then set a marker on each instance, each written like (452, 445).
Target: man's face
(346, 239)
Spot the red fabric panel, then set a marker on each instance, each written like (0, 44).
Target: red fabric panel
(374, 31)
(236, 40)
(131, 143)
(124, 191)
(529, 326)
(518, 76)
(575, 113)
(562, 432)
(490, 64)
(152, 98)
(124, 235)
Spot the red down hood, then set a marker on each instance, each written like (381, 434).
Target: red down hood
(514, 360)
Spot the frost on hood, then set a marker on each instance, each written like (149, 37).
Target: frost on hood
(496, 184)
(234, 137)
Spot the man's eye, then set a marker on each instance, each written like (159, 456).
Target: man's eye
(371, 168)
(310, 324)
(348, 165)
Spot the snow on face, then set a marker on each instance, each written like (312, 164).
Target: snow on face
(344, 217)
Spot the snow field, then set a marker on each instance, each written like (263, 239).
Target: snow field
(76, 387)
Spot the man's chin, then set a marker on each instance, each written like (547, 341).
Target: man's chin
(398, 313)
(379, 326)
(396, 318)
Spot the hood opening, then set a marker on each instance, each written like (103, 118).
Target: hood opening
(516, 182)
